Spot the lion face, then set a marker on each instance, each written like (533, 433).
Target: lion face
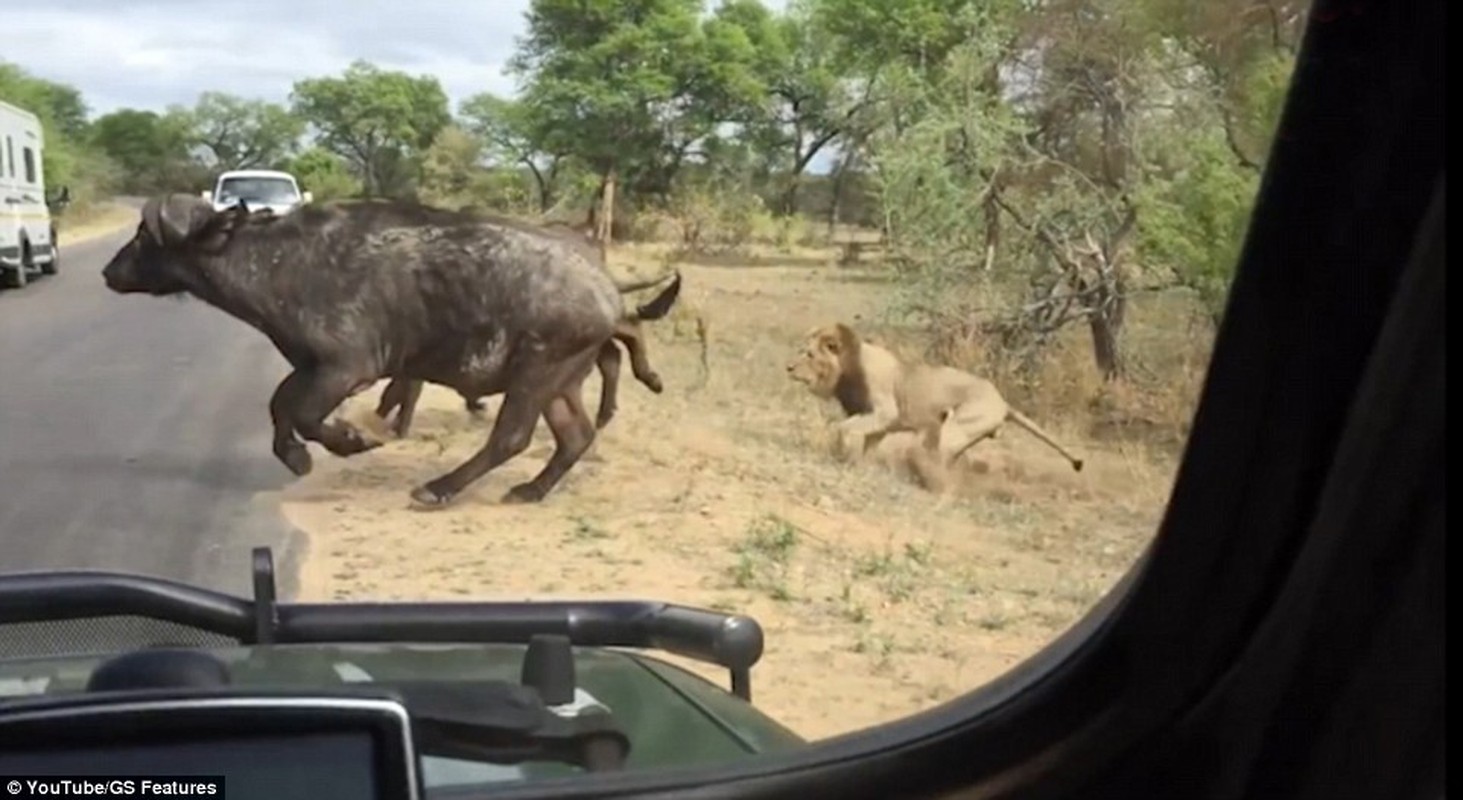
(819, 365)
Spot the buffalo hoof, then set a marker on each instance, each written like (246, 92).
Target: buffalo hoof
(298, 460)
(428, 500)
(523, 493)
(603, 419)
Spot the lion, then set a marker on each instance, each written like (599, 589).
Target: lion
(949, 409)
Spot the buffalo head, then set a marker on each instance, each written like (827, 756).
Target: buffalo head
(175, 229)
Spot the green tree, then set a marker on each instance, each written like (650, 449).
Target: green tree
(632, 85)
(450, 168)
(379, 121)
(810, 103)
(66, 160)
(324, 174)
(872, 34)
(1242, 53)
(1195, 218)
(151, 149)
(520, 135)
(243, 134)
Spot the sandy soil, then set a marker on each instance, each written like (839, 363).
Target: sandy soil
(723, 493)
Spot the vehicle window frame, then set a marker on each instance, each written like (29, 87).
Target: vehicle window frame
(1249, 477)
(1323, 268)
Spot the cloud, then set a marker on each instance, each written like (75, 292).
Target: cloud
(153, 53)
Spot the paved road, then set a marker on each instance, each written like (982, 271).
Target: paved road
(134, 432)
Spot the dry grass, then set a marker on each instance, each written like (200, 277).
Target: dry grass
(81, 223)
(723, 493)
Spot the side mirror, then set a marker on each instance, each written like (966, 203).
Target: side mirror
(307, 197)
(206, 194)
(62, 199)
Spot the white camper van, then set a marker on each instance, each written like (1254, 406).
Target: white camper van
(28, 245)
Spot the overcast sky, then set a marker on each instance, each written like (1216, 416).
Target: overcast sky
(151, 54)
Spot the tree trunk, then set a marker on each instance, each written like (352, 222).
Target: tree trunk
(370, 185)
(1106, 325)
(545, 202)
(788, 203)
(835, 204)
(992, 214)
(607, 208)
(1105, 347)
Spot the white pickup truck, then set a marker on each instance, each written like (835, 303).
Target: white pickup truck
(259, 189)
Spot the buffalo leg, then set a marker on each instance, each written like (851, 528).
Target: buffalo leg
(391, 397)
(573, 434)
(321, 392)
(287, 448)
(640, 367)
(532, 388)
(408, 411)
(400, 394)
(608, 362)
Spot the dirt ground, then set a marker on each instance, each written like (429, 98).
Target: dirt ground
(723, 493)
(101, 219)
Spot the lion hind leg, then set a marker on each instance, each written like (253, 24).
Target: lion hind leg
(927, 467)
(965, 427)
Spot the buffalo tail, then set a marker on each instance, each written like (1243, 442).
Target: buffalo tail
(661, 304)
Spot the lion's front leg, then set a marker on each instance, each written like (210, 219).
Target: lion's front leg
(854, 433)
(862, 433)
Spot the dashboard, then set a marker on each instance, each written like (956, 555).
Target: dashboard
(267, 747)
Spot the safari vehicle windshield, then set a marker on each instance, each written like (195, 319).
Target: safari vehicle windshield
(886, 332)
(260, 190)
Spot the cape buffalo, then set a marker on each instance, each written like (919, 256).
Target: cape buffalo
(351, 293)
(401, 395)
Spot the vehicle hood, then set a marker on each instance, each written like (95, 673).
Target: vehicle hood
(672, 716)
(257, 205)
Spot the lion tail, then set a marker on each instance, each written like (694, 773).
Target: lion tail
(1036, 430)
